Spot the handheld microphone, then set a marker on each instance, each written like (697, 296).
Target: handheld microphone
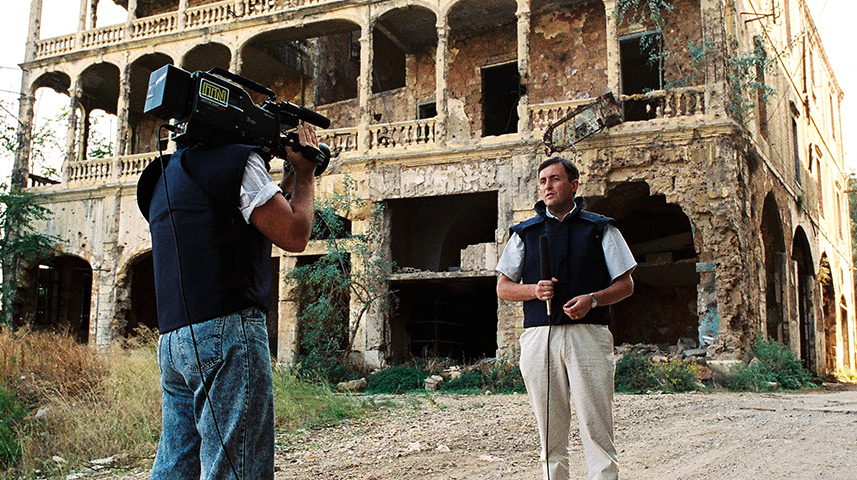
(544, 257)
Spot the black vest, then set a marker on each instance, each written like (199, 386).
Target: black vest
(225, 262)
(576, 259)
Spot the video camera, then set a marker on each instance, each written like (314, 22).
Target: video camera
(212, 108)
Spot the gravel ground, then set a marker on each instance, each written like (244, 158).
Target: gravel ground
(708, 436)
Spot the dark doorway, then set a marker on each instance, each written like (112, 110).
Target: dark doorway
(663, 308)
(775, 258)
(144, 310)
(428, 233)
(63, 291)
(501, 90)
(454, 318)
(640, 57)
(802, 256)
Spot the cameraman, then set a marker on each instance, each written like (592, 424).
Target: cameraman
(220, 213)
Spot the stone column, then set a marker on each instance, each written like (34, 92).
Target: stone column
(75, 92)
(441, 82)
(614, 64)
(523, 15)
(364, 86)
(182, 20)
(132, 17)
(81, 23)
(287, 326)
(21, 166)
(122, 118)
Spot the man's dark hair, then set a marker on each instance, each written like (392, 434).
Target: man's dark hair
(570, 169)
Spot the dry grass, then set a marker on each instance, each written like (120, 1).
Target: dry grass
(94, 404)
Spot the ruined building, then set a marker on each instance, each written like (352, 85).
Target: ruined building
(726, 176)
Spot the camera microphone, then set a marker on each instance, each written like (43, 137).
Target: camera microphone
(545, 263)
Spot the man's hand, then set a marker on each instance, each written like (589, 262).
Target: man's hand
(306, 136)
(544, 289)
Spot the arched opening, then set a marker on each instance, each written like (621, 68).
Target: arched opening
(205, 57)
(828, 311)
(142, 127)
(50, 125)
(138, 289)
(404, 44)
(57, 295)
(314, 64)
(775, 279)
(663, 309)
(484, 35)
(802, 257)
(99, 92)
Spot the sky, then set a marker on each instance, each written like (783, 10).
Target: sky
(833, 18)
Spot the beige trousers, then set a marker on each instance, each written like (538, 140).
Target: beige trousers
(581, 370)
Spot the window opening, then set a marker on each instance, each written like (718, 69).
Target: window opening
(642, 72)
(501, 91)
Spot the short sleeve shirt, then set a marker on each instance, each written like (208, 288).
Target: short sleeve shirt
(257, 186)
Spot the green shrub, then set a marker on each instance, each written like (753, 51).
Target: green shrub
(399, 379)
(639, 374)
(501, 377)
(11, 414)
(774, 363)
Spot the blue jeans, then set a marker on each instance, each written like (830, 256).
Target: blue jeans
(235, 363)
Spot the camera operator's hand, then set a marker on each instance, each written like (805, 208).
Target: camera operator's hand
(288, 223)
(306, 136)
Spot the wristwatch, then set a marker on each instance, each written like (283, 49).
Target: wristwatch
(594, 300)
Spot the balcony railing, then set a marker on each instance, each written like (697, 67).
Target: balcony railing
(398, 136)
(147, 27)
(402, 134)
(90, 171)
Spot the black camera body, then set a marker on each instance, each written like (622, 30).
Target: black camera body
(212, 108)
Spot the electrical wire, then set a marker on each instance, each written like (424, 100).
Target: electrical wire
(184, 300)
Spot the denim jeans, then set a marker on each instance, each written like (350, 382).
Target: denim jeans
(234, 358)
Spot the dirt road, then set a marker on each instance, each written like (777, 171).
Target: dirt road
(724, 436)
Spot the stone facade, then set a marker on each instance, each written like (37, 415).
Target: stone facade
(733, 204)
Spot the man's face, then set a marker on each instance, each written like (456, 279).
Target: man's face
(556, 190)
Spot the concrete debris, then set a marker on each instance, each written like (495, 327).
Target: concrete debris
(433, 383)
(352, 386)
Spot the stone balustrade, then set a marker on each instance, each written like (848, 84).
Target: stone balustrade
(675, 102)
(131, 166)
(542, 115)
(402, 134)
(340, 140)
(90, 171)
(103, 36)
(153, 26)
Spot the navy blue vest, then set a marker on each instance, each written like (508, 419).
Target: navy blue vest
(225, 261)
(576, 258)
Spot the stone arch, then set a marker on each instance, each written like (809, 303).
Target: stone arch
(805, 297)
(663, 309)
(143, 127)
(845, 334)
(397, 34)
(773, 243)
(206, 56)
(828, 312)
(135, 294)
(56, 294)
(484, 35)
(99, 88)
(292, 61)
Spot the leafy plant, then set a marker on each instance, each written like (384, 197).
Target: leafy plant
(746, 75)
(398, 379)
(774, 364)
(351, 274)
(640, 374)
(12, 412)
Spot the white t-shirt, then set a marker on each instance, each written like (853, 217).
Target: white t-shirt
(257, 186)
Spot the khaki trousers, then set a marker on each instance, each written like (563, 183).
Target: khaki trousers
(581, 370)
